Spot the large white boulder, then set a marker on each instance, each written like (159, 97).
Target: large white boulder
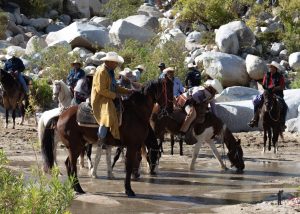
(35, 44)
(228, 68)
(256, 67)
(225, 38)
(174, 34)
(237, 93)
(122, 30)
(147, 22)
(166, 23)
(294, 60)
(81, 34)
(148, 10)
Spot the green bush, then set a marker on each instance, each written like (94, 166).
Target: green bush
(296, 81)
(34, 195)
(41, 94)
(119, 9)
(3, 25)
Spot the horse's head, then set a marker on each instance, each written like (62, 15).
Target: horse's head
(56, 90)
(268, 99)
(235, 156)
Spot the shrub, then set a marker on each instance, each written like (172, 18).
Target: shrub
(36, 195)
(3, 25)
(119, 9)
(41, 94)
(296, 81)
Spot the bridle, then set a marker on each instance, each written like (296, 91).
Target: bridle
(163, 110)
(58, 89)
(270, 110)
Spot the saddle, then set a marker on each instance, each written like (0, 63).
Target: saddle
(85, 116)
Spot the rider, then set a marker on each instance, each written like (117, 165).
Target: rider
(104, 91)
(15, 66)
(75, 74)
(199, 95)
(193, 76)
(274, 81)
(177, 85)
(83, 87)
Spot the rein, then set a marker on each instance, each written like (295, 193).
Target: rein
(270, 114)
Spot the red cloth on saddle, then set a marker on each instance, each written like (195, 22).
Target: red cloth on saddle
(181, 100)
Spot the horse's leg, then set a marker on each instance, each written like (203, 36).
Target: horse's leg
(89, 155)
(81, 160)
(73, 172)
(216, 153)
(14, 118)
(117, 156)
(110, 174)
(97, 160)
(68, 166)
(6, 117)
(22, 111)
(172, 143)
(265, 139)
(181, 146)
(270, 138)
(275, 139)
(195, 155)
(129, 163)
(136, 168)
(161, 140)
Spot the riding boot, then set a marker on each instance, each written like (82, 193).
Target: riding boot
(255, 119)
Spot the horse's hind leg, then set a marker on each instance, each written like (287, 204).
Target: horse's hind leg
(110, 174)
(14, 118)
(265, 140)
(6, 117)
(161, 140)
(117, 156)
(131, 158)
(195, 155)
(181, 147)
(73, 172)
(88, 150)
(172, 143)
(81, 160)
(270, 139)
(275, 140)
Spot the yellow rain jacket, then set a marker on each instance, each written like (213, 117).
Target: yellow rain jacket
(102, 100)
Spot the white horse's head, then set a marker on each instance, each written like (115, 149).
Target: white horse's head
(56, 90)
(61, 93)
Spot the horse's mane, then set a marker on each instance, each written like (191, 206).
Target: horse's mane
(148, 85)
(63, 85)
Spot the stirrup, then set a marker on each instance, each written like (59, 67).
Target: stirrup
(253, 124)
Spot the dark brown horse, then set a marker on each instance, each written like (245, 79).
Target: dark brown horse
(133, 131)
(207, 132)
(271, 115)
(13, 95)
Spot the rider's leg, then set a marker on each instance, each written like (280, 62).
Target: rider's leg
(283, 113)
(190, 117)
(23, 83)
(257, 102)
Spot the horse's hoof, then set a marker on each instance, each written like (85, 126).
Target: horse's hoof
(225, 168)
(130, 193)
(239, 171)
(110, 176)
(153, 173)
(79, 190)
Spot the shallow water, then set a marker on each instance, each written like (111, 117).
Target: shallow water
(177, 190)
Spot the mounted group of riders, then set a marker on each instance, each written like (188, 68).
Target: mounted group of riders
(102, 87)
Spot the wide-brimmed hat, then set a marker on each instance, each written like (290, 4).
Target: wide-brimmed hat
(113, 57)
(76, 61)
(127, 72)
(166, 70)
(191, 65)
(141, 67)
(161, 65)
(90, 72)
(276, 65)
(215, 84)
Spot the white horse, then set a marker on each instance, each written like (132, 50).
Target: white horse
(62, 93)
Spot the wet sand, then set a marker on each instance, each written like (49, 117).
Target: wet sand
(176, 189)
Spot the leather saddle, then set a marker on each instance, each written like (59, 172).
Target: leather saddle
(85, 115)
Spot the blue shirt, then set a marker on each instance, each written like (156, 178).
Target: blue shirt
(73, 77)
(177, 87)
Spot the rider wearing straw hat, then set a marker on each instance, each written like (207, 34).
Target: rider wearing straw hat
(199, 95)
(75, 74)
(104, 91)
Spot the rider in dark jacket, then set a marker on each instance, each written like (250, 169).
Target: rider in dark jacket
(75, 74)
(193, 77)
(274, 81)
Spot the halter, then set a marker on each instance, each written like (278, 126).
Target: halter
(58, 87)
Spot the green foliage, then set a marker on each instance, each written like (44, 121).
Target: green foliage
(265, 39)
(210, 12)
(41, 94)
(3, 24)
(119, 9)
(36, 195)
(296, 81)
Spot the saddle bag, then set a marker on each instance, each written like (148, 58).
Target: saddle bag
(85, 115)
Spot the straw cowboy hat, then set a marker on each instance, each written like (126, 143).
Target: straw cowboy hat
(90, 72)
(191, 65)
(127, 72)
(76, 61)
(140, 67)
(113, 57)
(276, 65)
(166, 70)
(215, 84)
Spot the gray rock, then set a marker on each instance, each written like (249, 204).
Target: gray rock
(274, 27)
(276, 48)
(148, 10)
(256, 67)
(80, 34)
(237, 93)
(25, 20)
(66, 19)
(284, 54)
(294, 60)
(101, 21)
(15, 50)
(40, 23)
(18, 18)
(34, 45)
(78, 8)
(148, 22)
(54, 27)
(166, 23)
(53, 14)
(11, 26)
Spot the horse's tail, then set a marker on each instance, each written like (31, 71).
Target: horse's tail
(47, 140)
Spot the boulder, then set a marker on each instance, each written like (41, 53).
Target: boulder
(40, 23)
(66, 19)
(122, 30)
(34, 45)
(16, 40)
(229, 69)
(95, 7)
(225, 38)
(294, 60)
(166, 23)
(78, 8)
(275, 27)
(148, 10)
(284, 54)
(194, 36)
(15, 50)
(276, 48)
(237, 93)
(80, 34)
(174, 34)
(82, 52)
(25, 20)
(11, 26)
(4, 44)
(104, 21)
(54, 27)
(59, 44)
(147, 22)
(256, 67)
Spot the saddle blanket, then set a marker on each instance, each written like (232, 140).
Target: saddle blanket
(85, 115)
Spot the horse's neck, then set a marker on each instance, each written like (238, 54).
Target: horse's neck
(64, 97)
(9, 83)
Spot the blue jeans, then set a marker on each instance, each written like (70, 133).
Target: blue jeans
(23, 83)
(102, 131)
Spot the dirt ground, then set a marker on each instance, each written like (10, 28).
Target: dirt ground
(264, 175)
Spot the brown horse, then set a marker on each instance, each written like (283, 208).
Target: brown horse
(210, 130)
(134, 129)
(13, 95)
(271, 115)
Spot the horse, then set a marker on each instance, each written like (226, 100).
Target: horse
(47, 122)
(210, 130)
(172, 140)
(271, 115)
(13, 95)
(133, 130)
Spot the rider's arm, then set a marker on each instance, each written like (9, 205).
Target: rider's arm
(281, 85)
(101, 84)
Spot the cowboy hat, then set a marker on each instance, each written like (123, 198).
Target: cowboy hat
(191, 65)
(90, 72)
(76, 61)
(215, 84)
(141, 67)
(166, 70)
(276, 65)
(125, 71)
(113, 57)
